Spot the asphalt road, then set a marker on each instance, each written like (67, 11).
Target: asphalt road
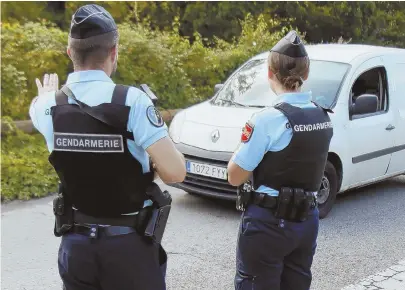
(364, 234)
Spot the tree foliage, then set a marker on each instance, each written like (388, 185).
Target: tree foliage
(374, 22)
(180, 72)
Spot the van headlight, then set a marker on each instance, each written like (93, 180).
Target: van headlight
(176, 126)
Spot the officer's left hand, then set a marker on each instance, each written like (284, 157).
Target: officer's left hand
(50, 83)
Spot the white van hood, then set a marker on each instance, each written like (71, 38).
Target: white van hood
(203, 120)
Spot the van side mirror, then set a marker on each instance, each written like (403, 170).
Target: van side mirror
(365, 104)
(217, 87)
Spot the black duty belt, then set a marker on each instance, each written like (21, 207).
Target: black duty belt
(95, 227)
(121, 221)
(267, 201)
(264, 200)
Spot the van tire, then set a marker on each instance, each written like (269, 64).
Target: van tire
(326, 199)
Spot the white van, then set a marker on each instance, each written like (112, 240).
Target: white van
(365, 87)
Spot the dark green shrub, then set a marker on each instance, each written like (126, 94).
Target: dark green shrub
(25, 170)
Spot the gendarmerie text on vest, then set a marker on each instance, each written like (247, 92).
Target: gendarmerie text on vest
(88, 142)
(313, 127)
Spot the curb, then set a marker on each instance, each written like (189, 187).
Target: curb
(392, 278)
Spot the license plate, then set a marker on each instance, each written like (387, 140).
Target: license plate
(206, 170)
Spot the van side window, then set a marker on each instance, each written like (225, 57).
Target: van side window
(372, 82)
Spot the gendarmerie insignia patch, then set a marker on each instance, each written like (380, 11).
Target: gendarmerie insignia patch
(247, 132)
(154, 116)
(88, 143)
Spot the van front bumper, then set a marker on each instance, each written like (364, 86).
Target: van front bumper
(202, 185)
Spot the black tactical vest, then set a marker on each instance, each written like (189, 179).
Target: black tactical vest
(301, 164)
(99, 175)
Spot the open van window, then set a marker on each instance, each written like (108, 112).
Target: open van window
(249, 86)
(373, 82)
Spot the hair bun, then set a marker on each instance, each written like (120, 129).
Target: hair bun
(292, 82)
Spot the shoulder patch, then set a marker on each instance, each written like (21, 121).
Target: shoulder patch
(247, 132)
(154, 116)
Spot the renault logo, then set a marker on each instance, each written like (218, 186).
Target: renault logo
(215, 136)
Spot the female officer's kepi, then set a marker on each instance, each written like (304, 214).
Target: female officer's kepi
(291, 45)
(282, 155)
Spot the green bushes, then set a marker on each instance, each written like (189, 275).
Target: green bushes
(180, 73)
(25, 170)
(28, 51)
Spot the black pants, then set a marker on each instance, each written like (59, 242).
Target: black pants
(273, 253)
(124, 262)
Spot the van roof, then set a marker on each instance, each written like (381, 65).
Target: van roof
(345, 53)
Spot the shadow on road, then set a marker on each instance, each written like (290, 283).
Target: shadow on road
(207, 205)
(386, 187)
(383, 198)
(348, 204)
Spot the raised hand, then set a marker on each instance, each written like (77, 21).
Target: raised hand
(50, 83)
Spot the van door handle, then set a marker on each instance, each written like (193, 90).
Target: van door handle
(390, 127)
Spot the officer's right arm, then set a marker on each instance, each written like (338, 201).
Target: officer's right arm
(151, 134)
(169, 162)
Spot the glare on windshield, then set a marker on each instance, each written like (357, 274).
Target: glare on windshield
(250, 87)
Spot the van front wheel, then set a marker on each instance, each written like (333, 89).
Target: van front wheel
(327, 193)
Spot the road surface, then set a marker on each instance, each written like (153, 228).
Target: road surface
(363, 235)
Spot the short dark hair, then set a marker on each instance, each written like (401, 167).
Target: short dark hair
(92, 51)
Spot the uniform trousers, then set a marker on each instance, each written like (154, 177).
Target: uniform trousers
(274, 254)
(124, 262)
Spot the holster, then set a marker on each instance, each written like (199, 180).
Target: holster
(156, 224)
(294, 204)
(63, 212)
(284, 204)
(244, 196)
(298, 204)
(308, 204)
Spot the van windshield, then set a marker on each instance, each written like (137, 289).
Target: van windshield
(250, 87)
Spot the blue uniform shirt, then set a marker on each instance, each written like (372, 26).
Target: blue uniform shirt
(270, 133)
(94, 87)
